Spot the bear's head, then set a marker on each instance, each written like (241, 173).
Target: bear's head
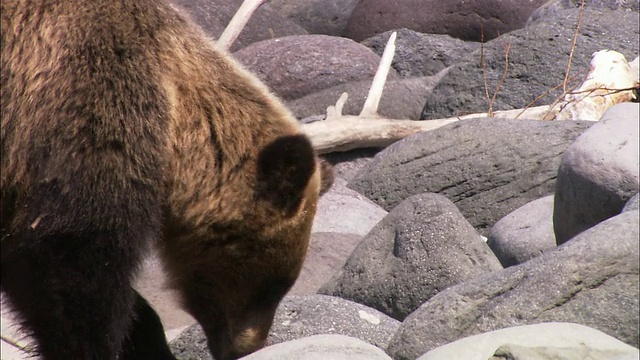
(238, 278)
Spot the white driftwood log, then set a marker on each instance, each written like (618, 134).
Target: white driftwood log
(610, 81)
(348, 132)
(614, 81)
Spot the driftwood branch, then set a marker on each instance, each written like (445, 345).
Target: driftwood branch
(353, 132)
(238, 22)
(611, 80)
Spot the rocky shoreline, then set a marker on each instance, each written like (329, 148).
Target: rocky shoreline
(483, 239)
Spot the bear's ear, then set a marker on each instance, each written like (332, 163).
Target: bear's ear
(284, 169)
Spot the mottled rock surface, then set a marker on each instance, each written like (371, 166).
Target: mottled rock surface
(421, 247)
(487, 167)
(525, 233)
(303, 316)
(466, 20)
(295, 66)
(533, 69)
(591, 280)
(598, 173)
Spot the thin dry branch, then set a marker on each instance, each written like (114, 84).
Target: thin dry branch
(343, 133)
(484, 70)
(504, 76)
(573, 47)
(238, 22)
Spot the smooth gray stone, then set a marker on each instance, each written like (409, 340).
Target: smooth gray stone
(321, 347)
(524, 234)
(487, 167)
(632, 204)
(420, 248)
(302, 316)
(342, 210)
(549, 335)
(592, 280)
(598, 173)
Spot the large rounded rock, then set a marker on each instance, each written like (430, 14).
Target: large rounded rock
(420, 248)
(567, 341)
(295, 66)
(633, 203)
(303, 316)
(598, 173)
(487, 167)
(321, 347)
(347, 164)
(214, 15)
(525, 233)
(327, 17)
(466, 20)
(419, 54)
(553, 6)
(533, 70)
(342, 210)
(327, 253)
(592, 280)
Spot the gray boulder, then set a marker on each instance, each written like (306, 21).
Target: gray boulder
(419, 54)
(321, 347)
(466, 20)
(191, 344)
(592, 280)
(346, 165)
(580, 352)
(533, 70)
(420, 248)
(525, 233)
(487, 167)
(342, 210)
(598, 173)
(574, 339)
(295, 66)
(303, 316)
(327, 17)
(327, 253)
(553, 6)
(632, 204)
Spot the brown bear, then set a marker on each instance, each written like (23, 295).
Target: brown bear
(123, 127)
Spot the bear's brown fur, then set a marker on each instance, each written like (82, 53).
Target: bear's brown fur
(123, 127)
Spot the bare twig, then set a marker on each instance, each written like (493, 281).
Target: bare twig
(604, 86)
(504, 76)
(484, 69)
(573, 47)
(492, 99)
(539, 97)
(238, 22)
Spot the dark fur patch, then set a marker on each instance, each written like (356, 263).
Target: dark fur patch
(284, 169)
(146, 338)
